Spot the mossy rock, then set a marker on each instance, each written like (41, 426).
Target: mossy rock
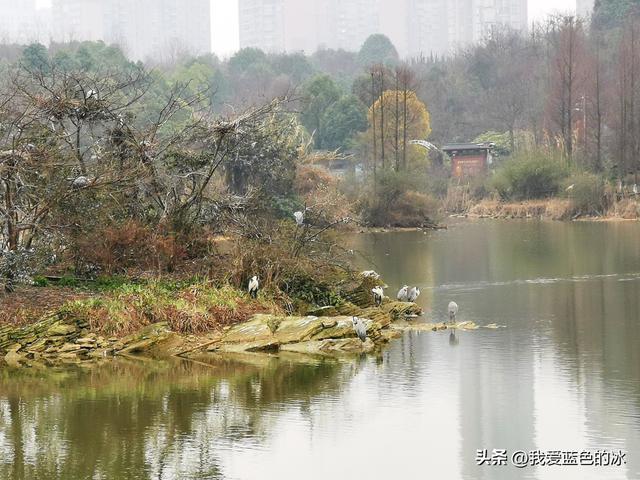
(61, 329)
(270, 331)
(331, 347)
(401, 310)
(149, 340)
(342, 328)
(328, 311)
(361, 295)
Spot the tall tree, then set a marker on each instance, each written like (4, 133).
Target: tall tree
(318, 94)
(417, 126)
(342, 121)
(378, 49)
(568, 41)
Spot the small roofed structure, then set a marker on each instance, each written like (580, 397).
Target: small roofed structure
(469, 159)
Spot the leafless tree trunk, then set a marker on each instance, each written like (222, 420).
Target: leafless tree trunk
(373, 120)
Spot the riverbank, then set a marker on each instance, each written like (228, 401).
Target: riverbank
(551, 209)
(162, 319)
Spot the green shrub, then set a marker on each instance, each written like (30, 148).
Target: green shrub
(587, 194)
(397, 201)
(437, 182)
(39, 281)
(413, 209)
(530, 175)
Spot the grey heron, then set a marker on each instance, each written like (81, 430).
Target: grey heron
(403, 294)
(360, 328)
(254, 286)
(453, 311)
(413, 294)
(378, 295)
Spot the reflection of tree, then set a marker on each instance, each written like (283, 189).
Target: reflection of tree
(145, 420)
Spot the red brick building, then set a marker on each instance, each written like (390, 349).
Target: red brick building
(469, 159)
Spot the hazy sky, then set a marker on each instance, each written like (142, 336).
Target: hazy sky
(224, 15)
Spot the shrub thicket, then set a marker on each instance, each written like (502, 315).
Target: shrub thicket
(529, 175)
(587, 194)
(396, 201)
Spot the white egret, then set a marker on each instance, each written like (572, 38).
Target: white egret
(378, 295)
(403, 294)
(360, 328)
(254, 286)
(299, 216)
(453, 311)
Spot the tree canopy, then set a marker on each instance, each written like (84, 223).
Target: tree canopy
(378, 49)
(342, 121)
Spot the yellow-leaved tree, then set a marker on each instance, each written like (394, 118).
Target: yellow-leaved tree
(396, 118)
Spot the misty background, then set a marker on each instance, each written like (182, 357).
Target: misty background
(225, 38)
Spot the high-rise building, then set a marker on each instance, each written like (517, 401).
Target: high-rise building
(18, 21)
(416, 27)
(293, 25)
(145, 29)
(262, 24)
(428, 31)
(77, 20)
(348, 24)
(488, 15)
(440, 27)
(584, 8)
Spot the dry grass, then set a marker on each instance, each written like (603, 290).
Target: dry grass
(627, 209)
(28, 304)
(552, 208)
(555, 209)
(191, 309)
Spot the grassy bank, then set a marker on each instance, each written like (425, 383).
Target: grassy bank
(162, 318)
(117, 306)
(552, 209)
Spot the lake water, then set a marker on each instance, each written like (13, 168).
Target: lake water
(563, 375)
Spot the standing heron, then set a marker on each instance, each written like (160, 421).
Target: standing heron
(403, 294)
(254, 286)
(299, 217)
(413, 294)
(453, 311)
(378, 295)
(360, 328)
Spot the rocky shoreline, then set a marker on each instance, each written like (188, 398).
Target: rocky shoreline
(58, 340)
(61, 338)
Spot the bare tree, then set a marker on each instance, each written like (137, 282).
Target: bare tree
(568, 40)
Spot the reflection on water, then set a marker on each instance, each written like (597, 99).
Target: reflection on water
(564, 375)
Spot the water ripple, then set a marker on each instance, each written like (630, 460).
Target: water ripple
(624, 277)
